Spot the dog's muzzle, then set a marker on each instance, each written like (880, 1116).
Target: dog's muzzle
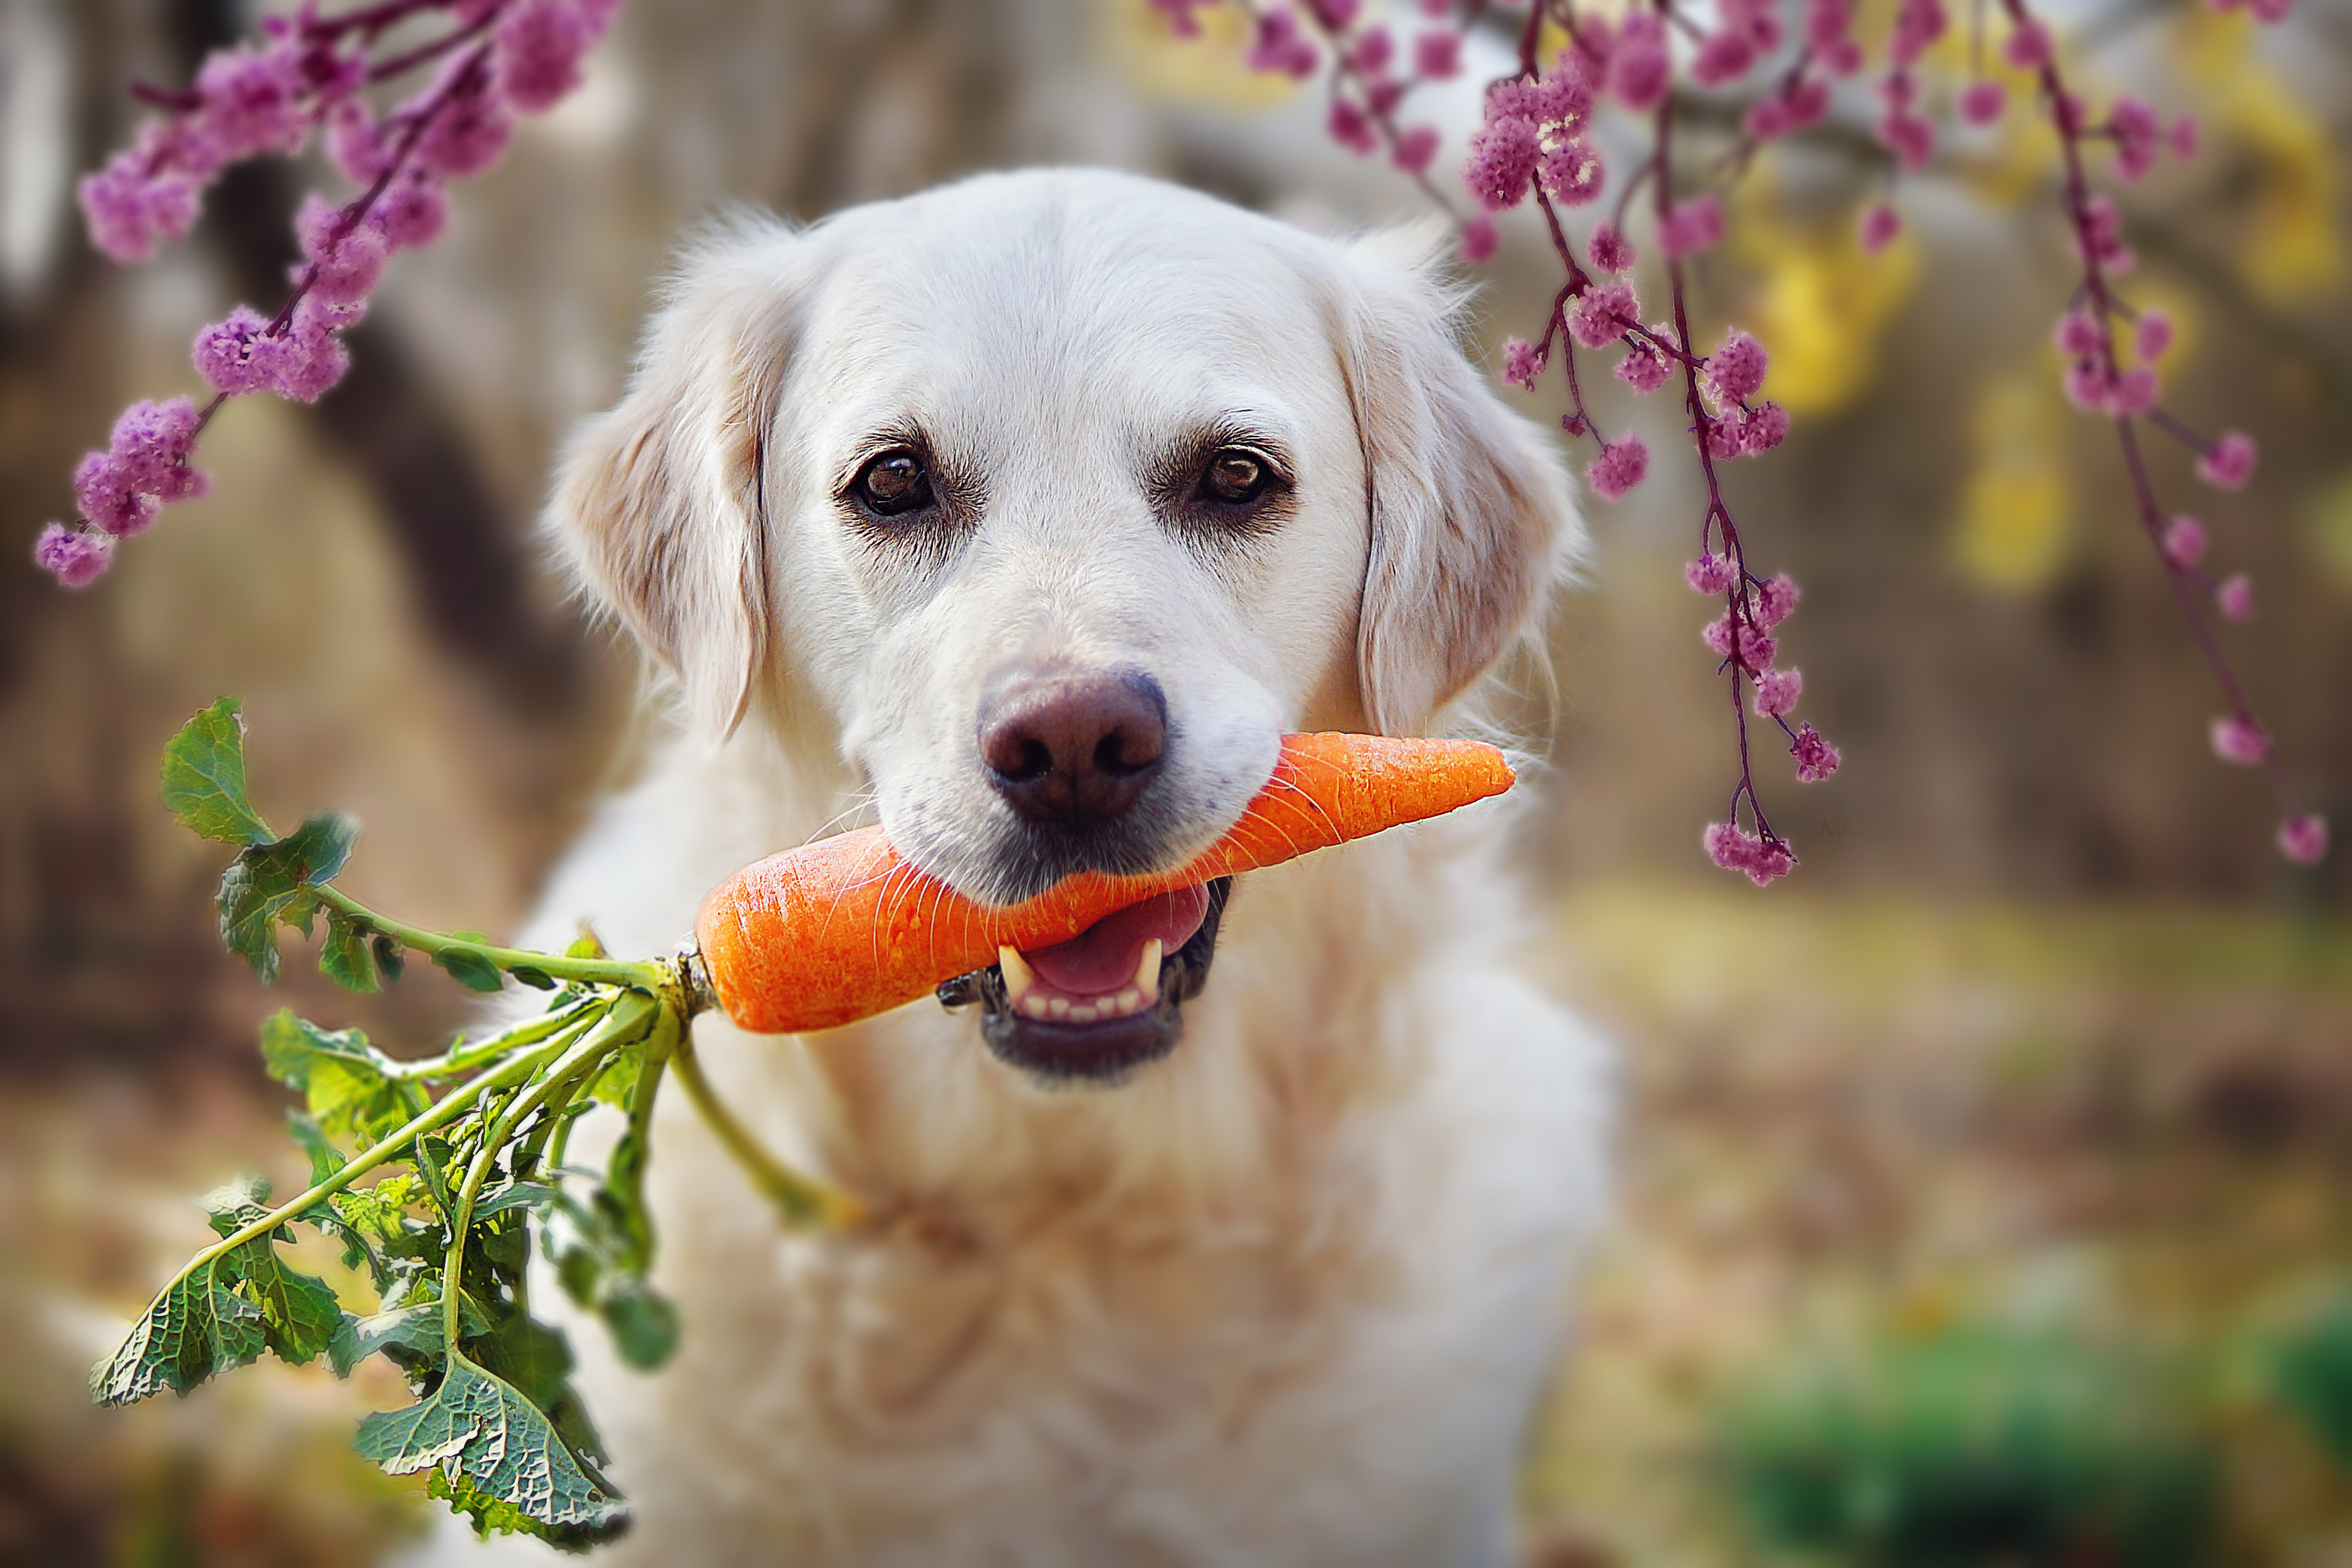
(1106, 1002)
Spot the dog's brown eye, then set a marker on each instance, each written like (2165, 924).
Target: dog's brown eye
(1236, 476)
(894, 483)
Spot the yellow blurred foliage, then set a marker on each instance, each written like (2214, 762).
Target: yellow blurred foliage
(1208, 70)
(1820, 304)
(2290, 248)
(2016, 515)
(2328, 520)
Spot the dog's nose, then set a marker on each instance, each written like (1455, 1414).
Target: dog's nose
(1074, 749)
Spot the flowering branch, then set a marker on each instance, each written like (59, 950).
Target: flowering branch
(496, 58)
(1532, 142)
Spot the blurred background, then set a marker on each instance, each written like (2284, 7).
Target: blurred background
(1987, 1186)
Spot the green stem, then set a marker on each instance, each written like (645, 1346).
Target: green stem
(648, 977)
(802, 1201)
(464, 1055)
(628, 1018)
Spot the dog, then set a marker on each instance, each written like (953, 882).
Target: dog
(1028, 513)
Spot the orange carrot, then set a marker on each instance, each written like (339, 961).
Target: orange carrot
(843, 929)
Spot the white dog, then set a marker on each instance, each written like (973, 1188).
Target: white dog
(1035, 510)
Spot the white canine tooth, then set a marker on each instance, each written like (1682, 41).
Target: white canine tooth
(1146, 973)
(1033, 1006)
(1018, 976)
(1082, 1013)
(1061, 1005)
(1130, 1000)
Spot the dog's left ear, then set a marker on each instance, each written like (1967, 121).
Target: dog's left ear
(1471, 520)
(658, 502)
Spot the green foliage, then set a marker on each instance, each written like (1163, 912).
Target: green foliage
(1977, 1448)
(2311, 1374)
(435, 1175)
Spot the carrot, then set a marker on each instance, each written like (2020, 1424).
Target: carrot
(843, 929)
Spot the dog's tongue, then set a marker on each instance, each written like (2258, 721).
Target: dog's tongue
(1102, 958)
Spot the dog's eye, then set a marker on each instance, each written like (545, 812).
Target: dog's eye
(1235, 477)
(893, 483)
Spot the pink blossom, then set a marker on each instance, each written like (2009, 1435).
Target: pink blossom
(1736, 368)
(1767, 118)
(1416, 146)
(1710, 573)
(1437, 54)
(1912, 138)
(1827, 22)
(1809, 104)
(2086, 385)
(1609, 251)
(2138, 133)
(2182, 137)
(1723, 56)
(1725, 439)
(1639, 67)
(233, 356)
(467, 133)
(2238, 739)
(411, 212)
(129, 210)
(2135, 392)
(2100, 237)
(1280, 48)
(2236, 597)
(251, 100)
(1777, 691)
(1690, 227)
(356, 142)
(539, 45)
(74, 556)
(1764, 428)
(2303, 838)
(2077, 335)
(150, 446)
(1880, 225)
(346, 266)
(2228, 462)
(1351, 127)
(1775, 599)
(1816, 758)
(102, 491)
(2184, 542)
(1917, 25)
(312, 358)
(1373, 50)
(1740, 641)
(1522, 362)
(1982, 102)
(1644, 368)
(1603, 313)
(1560, 100)
(2271, 12)
(1479, 238)
(1762, 859)
(1843, 59)
(1572, 172)
(2028, 45)
(2152, 335)
(1621, 466)
(1334, 15)
(1502, 163)
(1180, 20)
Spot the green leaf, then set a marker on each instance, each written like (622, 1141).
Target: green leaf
(490, 1446)
(348, 955)
(311, 1139)
(537, 979)
(512, 1195)
(388, 956)
(643, 1321)
(409, 1336)
(267, 883)
(347, 1082)
(299, 1311)
(198, 1327)
(203, 778)
(470, 967)
(434, 1156)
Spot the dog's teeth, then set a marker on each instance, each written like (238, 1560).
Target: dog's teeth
(1018, 976)
(1082, 1013)
(1061, 1006)
(1130, 1000)
(1146, 973)
(1034, 1006)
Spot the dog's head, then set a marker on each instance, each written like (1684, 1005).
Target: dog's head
(1061, 495)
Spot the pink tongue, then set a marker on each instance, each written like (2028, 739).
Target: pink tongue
(1102, 958)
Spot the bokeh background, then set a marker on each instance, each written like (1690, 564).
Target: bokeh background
(1987, 1186)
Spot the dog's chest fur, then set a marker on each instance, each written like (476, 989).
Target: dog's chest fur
(1287, 1298)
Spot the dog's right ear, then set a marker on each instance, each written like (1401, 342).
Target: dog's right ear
(659, 502)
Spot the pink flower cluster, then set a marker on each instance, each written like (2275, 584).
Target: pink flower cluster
(307, 74)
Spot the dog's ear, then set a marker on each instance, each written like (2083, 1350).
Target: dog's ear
(659, 500)
(1471, 518)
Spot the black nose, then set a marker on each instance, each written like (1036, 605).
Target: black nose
(1072, 748)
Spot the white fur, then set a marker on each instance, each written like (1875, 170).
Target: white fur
(1285, 1297)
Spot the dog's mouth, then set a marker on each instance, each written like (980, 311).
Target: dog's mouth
(1105, 1002)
